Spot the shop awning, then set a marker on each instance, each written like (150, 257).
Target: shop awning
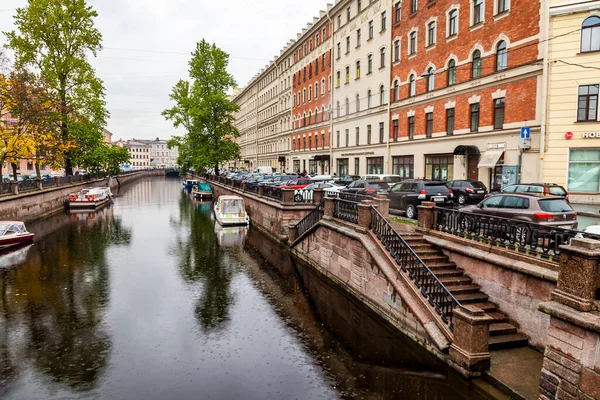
(490, 158)
(464, 150)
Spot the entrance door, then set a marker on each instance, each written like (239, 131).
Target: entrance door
(472, 170)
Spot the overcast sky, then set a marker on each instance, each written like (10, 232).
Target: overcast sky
(147, 45)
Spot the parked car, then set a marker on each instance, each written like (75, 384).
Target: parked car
(306, 193)
(409, 194)
(322, 178)
(390, 179)
(281, 179)
(346, 180)
(467, 191)
(548, 189)
(297, 183)
(369, 188)
(528, 207)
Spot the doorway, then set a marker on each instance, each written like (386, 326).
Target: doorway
(472, 170)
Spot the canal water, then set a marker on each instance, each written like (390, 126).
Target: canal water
(151, 299)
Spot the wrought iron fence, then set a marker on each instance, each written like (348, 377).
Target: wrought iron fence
(303, 196)
(310, 220)
(228, 182)
(346, 210)
(355, 197)
(522, 236)
(27, 185)
(237, 184)
(252, 187)
(273, 192)
(424, 279)
(5, 188)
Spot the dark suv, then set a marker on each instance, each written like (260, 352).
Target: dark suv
(409, 194)
(369, 188)
(548, 189)
(467, 191)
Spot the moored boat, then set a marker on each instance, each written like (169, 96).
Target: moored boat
(90, 198)
(190, 183)
(204, 191)
(230, 210)
(13, 233)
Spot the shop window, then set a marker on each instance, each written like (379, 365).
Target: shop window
(587, 104)
(342, 167)
(475, 117)
(590, 34)
(403, 166)
(439, 168)
(374, 165)
(499, 113)
(584, 171)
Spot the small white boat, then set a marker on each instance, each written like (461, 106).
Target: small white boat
(13, 233)
(190, 184)
(90, 198)
(230, 210)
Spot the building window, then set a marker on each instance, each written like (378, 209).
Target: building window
(403, 166)
(382, 95)
(303, 95)
(369, 63)
(309, 93)
(358, 6)
(357, 103)
(348, 14)
(374, 165)
(397, 50)
(439, 168)
(338, 78)
(323, 141)
(429, 125)
(323, 86)
(339, 50)
(316, 89)
(395, 130)
(499, 113)
(357, 69)
(357, 37)
(430, 79)
(397, 12)
(584, 171)
(476, 66)
(369, 99)
(347, 106)
(587, 104)
(347, 137)
(347, 44)
(412, 43)
(337, 108)
(370, 29)
(368, 134)
(475, 117)
(382, 56)
(347, 74)
(342, 166)
(450, 121)
(501, 56)
(590, 34)
(502, 6)
(339, 18)
(383, 20)
(477, 11)
(414, 6)
(337, 138)
(431, 34)
(451, 72)
(453, 23)
(323, 59)
(412, 86)
(381, 128)
(357, 136)
(396, 90)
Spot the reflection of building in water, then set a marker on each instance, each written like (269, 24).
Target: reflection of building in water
(231, 236)
(151, 190)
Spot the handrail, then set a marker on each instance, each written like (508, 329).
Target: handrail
(346, 210)
(310, 220)
(424, 279)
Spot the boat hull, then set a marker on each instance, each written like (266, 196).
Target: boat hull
(15, 240)
(87, 205)
(202, 195)
(226, 220)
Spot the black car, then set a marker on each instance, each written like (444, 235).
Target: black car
(409, 194)
(548, 189)
(467, 191)
(369, 188)
(279, 180)
(346, 180)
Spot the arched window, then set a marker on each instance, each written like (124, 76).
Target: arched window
(412, 86)
(304, 119)
(382, 95)
(309, 118)
(396, 90)
(357, 103)
(316, 89)
(323, 86)
(322, 113)
(430, 79)
(369, 100)
(347, 106)
(451, 72)
(476, 67)
(590, 34)
(316, 115)
(501, 56)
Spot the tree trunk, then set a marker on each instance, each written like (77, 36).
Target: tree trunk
(217, 169)
(37, 170)
(64, 129)
(1, 165)
(14, 166)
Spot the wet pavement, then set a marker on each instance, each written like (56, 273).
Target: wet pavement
(150, 299)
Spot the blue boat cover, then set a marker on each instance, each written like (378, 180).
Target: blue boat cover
(204, 187)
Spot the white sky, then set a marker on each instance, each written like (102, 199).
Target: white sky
(147, 45)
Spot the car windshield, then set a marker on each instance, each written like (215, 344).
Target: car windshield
(555, 206)
(379, 185)
(557, 191)
(391, 179)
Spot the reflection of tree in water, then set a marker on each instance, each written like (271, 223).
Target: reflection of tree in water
(200, 259)
(51, 308)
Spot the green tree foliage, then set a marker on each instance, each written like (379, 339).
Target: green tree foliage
(106, 160)
(55, 37)
(204, 110)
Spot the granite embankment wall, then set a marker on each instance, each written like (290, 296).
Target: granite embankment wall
(37, 204)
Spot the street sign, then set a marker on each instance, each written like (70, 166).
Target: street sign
(525, 132)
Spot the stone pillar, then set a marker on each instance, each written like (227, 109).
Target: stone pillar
(287, 196)
(38, 184)
(579, 274)
(469, 349)
(243, 187)
(318, 195)
(14, 187)
(425, 216)
(291, 233)
(364, 213)
(329, 207)
(383, 205)
(261, 189)
(70, 179)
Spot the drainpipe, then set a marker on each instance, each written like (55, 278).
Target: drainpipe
(332, 94)
(389, 107)
(545, 79)
(256, 133)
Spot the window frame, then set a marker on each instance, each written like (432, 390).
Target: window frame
(475, 117)
(431, 33)
(429, 124)
(499, 112)
(593, 29)
(476, 64)
(588, 99)
(501, 56)
(450, 121)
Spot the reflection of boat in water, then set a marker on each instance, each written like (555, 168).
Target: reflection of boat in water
(204, 191)
(230, 210)
(231, 236)
(205, 206)
(16, 256)
(13, 233)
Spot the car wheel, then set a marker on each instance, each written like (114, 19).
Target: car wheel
(462, 199)
(522, 235)
(411, 211)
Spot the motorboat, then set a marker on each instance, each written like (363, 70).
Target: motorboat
(230, 210)
(90, 198)
(13, 233)
(190, 183)
(203, 191)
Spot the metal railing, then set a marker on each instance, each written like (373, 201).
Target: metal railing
(252, 187)
(303, 196)
(310, 220)
(521, 236)
(237, 184)
(346, 210)
(355, 197)
(273, 192)
(438, 296)
(27, 185)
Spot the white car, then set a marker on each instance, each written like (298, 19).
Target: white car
(388, 178)
(306, 194)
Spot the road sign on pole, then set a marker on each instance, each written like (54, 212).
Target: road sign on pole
(525, 132)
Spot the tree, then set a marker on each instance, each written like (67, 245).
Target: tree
(204, 110)
(106, 160)
(55, 37)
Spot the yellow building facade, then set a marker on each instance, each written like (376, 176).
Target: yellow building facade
(572, 134)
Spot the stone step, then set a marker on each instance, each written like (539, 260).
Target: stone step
(433, 257)
(502, 328)
(485, 306)
(471, 298)
(452, 272)
(451, 281)
(441, 264)
(498, 316)
(463, 289)
(424, 245)
(421, 251)
(507, 341)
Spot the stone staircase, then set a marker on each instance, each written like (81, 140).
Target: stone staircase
(503, 333)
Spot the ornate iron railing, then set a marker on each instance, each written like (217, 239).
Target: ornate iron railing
(429, 285)
(346, 210)
(237, 184)
(228, 182)
(354, 197)
(522, 236)
(5, 188)
(273, 192)
(310, 220)
(303, 196)
(27, 185)
(252, 187)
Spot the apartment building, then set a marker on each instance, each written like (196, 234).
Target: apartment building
(160, 154)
